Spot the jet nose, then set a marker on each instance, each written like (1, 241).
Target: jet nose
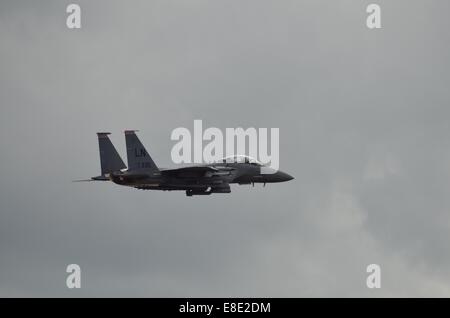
(283, 176)
(278, 176)
(272, 175)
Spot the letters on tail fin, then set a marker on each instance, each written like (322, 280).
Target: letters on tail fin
(138, 157)
(109, 157)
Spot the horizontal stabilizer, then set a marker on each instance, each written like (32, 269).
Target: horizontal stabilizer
(98, 178)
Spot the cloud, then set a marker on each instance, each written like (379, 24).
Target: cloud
(362, 117)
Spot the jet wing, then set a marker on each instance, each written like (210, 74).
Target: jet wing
(197, 171)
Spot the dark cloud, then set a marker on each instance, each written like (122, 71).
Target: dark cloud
(363, 125)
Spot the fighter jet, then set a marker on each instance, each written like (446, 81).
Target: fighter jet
(142, 172)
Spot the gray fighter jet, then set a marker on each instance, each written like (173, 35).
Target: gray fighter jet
(142, 172)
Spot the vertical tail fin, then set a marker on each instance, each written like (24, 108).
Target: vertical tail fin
(109, 157)
(138, 157)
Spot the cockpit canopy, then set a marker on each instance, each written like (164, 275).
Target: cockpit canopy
(241, 159)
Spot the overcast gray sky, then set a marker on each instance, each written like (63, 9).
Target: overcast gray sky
(364, 125)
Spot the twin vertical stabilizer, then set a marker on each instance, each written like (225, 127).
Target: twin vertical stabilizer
(110, 160)
(138, 157)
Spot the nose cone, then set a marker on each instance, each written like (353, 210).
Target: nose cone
(283, 176)
(277, 176)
